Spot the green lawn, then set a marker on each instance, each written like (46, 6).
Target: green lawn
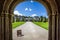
(16, 24)
(42, 24)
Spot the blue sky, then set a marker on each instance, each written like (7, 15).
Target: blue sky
(28, 8)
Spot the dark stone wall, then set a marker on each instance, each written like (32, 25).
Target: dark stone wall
(58, 4)
(1, 20)
(1, 5)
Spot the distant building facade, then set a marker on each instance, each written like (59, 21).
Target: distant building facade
(17, 18)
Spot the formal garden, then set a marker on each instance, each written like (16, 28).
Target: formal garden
(40, 21)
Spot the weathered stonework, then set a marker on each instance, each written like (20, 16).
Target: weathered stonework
(6, 11)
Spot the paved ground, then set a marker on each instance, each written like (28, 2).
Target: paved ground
(30, 32)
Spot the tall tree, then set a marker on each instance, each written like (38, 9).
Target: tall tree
(41, 18)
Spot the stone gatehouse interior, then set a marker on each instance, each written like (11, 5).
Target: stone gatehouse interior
(6, 13)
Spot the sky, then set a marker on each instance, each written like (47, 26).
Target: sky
(30, 8)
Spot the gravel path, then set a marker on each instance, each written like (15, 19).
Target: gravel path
(30, 32)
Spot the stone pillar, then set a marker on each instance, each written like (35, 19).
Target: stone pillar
(50, 27)
(59, 26)
(12, 19)
(0, 27)
(6, 26)
(10, 26)
(54, 26)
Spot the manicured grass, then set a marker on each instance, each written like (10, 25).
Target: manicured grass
(16, 24)
(42, 24)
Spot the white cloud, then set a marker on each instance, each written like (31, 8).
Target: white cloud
(31, 1)
(30, 9)
(26, 9)
(34, 15)
(17, 13)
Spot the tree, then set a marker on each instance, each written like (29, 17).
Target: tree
(41, 18)
(44, 19)
(17, 19)
(23, 18)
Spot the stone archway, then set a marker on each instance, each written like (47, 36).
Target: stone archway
(6, 23)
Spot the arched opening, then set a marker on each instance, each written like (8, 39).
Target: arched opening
(48, 7)
(31, 15)
(6, 13)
